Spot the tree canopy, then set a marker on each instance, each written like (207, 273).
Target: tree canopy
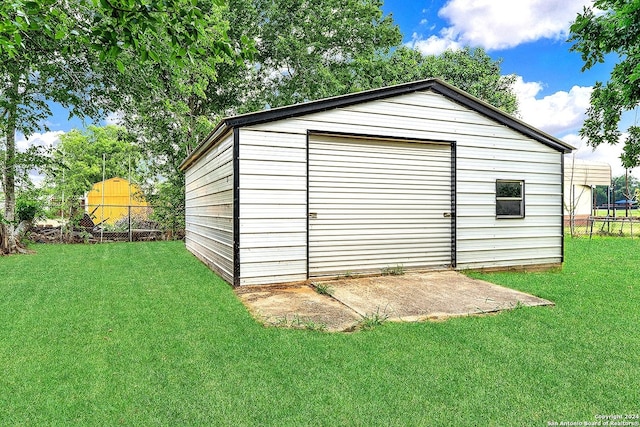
(74, 53)
(108, 26)
(311, 50)
(611, 27)
(83, 157)
(303, 51)
(620, 192)
(172, 68)
(469, 69)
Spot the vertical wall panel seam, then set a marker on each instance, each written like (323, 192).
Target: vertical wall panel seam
(562, 208)
(308, 222)
(236, 207)
(454, 198)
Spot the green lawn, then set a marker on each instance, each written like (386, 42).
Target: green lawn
(619, 212)
(144, 334)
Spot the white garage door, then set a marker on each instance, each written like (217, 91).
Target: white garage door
(376, 204)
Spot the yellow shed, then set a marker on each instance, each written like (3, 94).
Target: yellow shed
(113, 199)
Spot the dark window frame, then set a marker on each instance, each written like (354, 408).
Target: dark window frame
(501, 214)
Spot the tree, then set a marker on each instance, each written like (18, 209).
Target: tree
(174, 108)
(304, 50)
(68, 52)
(83, 157)
(311, 50)
(601, 195)
(38, 72)
(109, 26)
(614, 31)
(471, 70)
(625, 187)
(620, 191)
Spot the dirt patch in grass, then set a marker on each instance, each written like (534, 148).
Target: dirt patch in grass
(297, 306)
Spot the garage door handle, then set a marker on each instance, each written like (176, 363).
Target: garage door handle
(447, 214)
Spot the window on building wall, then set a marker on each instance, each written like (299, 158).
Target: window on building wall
(509, 198)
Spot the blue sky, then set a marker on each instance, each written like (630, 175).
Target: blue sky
(537, 54)
(530, 38)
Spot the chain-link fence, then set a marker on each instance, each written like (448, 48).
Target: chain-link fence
(606, 225)
(105, 223)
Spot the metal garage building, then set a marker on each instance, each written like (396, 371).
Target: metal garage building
(421, 175)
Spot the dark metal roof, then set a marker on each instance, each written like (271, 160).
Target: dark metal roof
(434, 85)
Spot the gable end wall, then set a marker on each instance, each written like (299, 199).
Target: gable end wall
(273, 184)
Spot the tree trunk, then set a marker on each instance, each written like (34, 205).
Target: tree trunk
(8, 242)
(4, 241)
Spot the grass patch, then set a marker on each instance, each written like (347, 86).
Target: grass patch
(144, 334)
(619, 212)
(373, 320)
(620, 226)
(299, 323)
(323, 288)
(398, 270)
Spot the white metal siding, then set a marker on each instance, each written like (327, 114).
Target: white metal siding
(486, 241)
(209, 208)
(273, 209)
(486, 151)
(377, 204)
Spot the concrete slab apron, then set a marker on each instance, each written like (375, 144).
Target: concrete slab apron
(410, 297)
(434, 295)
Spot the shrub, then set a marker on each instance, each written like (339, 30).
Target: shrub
(28, 208)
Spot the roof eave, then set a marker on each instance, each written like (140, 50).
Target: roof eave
(325, 104)
(221, 129)
(500, 116)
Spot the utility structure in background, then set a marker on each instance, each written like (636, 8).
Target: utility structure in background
(580, 179)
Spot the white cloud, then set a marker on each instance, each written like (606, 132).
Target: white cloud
(561, 114)
(114, 118)
(434, 45)
(47, 139)
(556, 114)
(500, 24)
(36, 178)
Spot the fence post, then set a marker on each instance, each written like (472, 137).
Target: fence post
(130, 231)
